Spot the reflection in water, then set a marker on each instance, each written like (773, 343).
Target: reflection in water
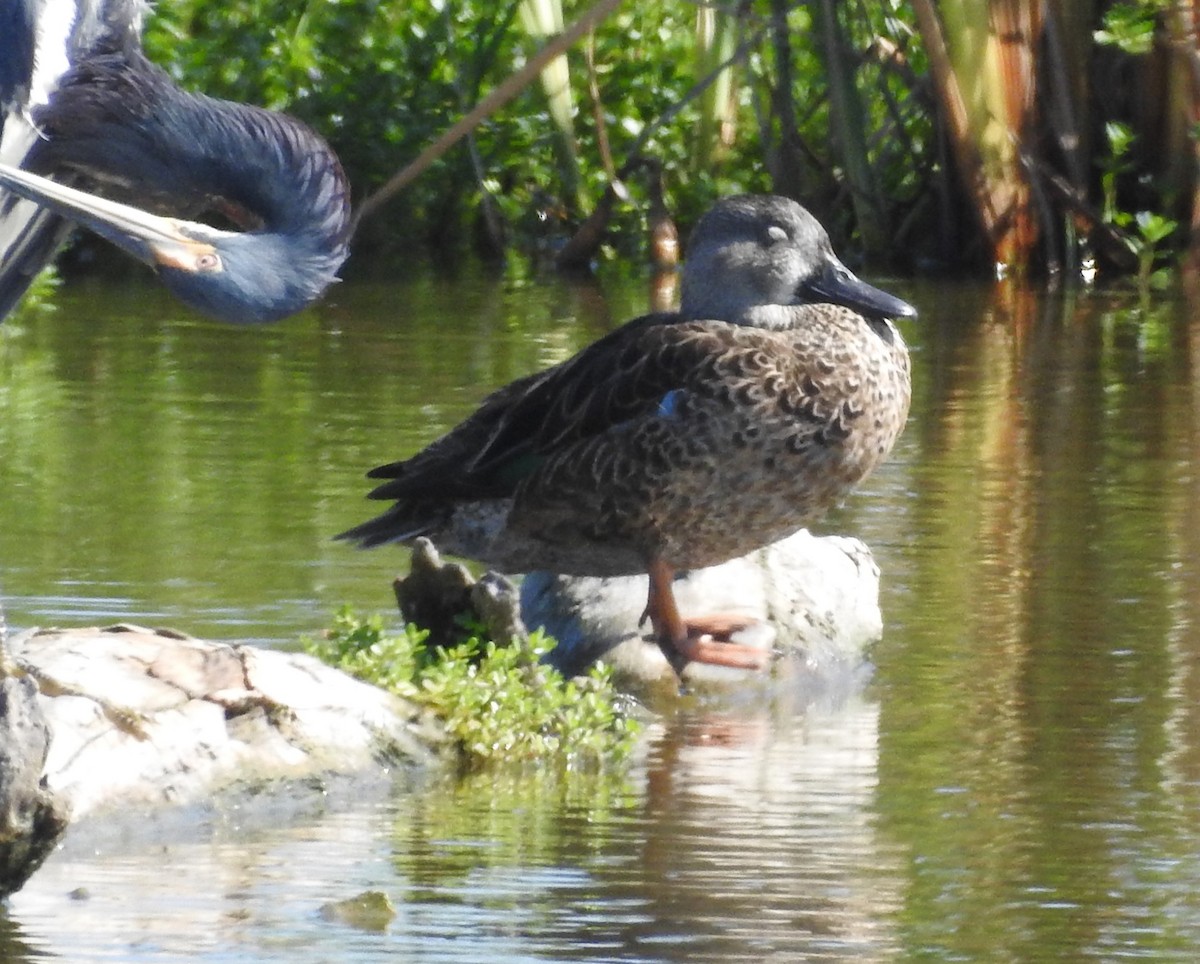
(1019, 781)
(738, 835)
(762, 841)
(1026, 697)
(751, 836)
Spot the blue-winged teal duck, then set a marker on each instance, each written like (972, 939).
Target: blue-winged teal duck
(680, 440)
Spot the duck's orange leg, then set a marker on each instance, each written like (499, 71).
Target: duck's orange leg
(696, 639)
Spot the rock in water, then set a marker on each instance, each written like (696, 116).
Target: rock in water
(815, 598)
(819, 596)
(372, 910)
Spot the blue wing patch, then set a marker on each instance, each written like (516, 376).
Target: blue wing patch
(668, 405)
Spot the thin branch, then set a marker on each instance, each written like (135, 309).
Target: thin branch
(501, 95)
(593, 84)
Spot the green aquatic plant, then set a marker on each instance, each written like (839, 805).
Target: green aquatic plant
(1152, 230)
(39, 296)
(498, 701)
(1131, 26)
(1143, 232)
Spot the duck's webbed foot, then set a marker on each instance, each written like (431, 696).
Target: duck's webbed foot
(701, 639)
(708, 640)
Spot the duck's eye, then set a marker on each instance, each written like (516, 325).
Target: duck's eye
(210, 261)
(776, 235)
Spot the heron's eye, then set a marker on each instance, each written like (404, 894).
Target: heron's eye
(776, 235)
(210, 261)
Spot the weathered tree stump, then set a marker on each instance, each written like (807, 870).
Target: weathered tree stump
(444, 598)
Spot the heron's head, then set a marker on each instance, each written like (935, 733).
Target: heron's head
(245, 278)
(754, 254)
(237, 277)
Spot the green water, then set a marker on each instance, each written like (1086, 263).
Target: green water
(169, 471)
(1018, 780)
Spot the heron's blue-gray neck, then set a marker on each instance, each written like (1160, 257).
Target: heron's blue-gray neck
(120, 121)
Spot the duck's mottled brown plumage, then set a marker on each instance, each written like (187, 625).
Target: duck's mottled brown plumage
(677, 440)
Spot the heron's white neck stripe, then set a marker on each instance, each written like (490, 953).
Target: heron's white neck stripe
(54, 27)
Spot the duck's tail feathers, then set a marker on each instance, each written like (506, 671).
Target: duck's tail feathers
(385, 528)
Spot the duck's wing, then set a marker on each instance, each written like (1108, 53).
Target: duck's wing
(628, 373)
(656, 367)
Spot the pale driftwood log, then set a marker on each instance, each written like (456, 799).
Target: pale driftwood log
(99, 720)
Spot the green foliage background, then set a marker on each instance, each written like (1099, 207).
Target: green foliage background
(832, 103)
(381, 80)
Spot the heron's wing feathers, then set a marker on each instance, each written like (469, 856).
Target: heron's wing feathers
(17, 41)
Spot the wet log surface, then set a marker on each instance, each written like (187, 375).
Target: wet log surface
(99, 720)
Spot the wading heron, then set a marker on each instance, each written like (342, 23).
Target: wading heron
(95, 134)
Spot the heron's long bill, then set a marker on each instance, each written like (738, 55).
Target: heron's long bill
(148, 237)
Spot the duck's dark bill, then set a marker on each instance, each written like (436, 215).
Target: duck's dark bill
(838, 285)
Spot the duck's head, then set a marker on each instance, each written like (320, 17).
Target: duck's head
(753, 254)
